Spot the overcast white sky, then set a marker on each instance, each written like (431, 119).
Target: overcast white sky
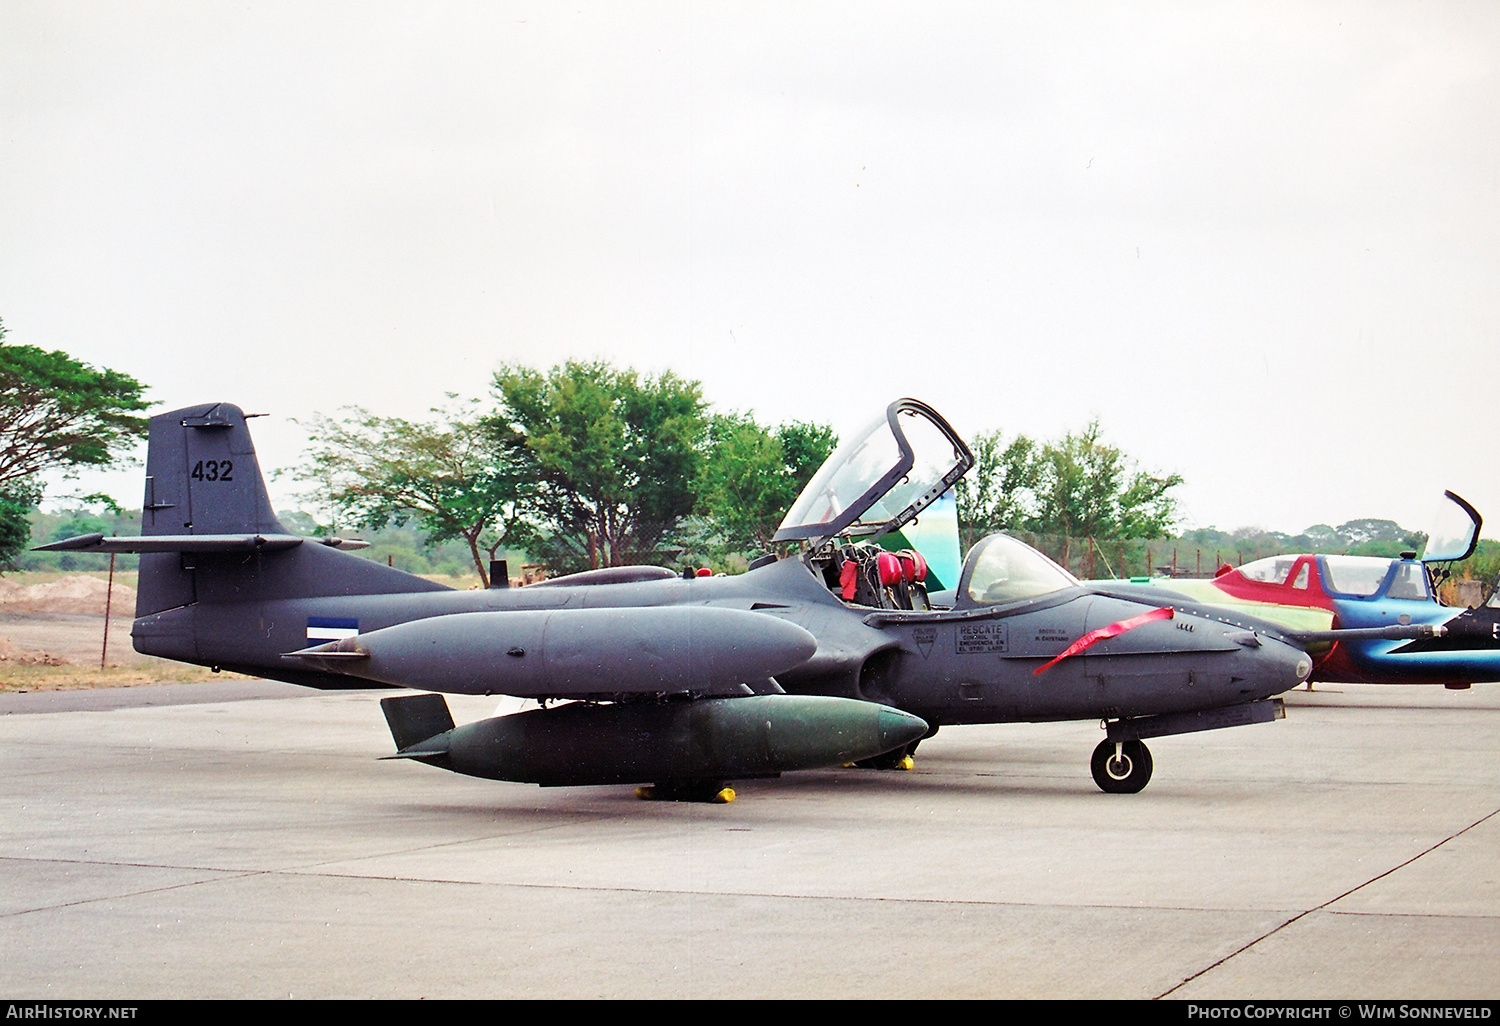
(1260, 242)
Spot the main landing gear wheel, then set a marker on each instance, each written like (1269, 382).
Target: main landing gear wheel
(1122, 771)
(705, 791)
(900, 759)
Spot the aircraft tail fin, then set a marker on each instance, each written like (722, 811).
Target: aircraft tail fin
(208, 532)
(217, 566)
(202, 476)
(414, 719)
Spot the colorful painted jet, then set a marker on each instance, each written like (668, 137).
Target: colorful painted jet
(1310, 592)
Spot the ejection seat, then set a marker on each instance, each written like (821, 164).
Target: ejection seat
(871, 576)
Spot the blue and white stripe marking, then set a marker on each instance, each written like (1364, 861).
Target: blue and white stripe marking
(322, 629)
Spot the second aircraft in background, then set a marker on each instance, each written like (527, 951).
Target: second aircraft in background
(1310, 591)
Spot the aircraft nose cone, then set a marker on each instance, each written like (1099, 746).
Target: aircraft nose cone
(898, 728)
(1281, 667)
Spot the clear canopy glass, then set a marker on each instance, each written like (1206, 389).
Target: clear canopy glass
(858, 462)
(1002, 569)
(880, 477)
(1455, 530)
(1355, 575)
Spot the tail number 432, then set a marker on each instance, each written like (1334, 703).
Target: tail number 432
(213, 470)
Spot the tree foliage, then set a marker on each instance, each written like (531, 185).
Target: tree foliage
(617, 456)
(582, 466)
(999, 493)
(1483, 566)
(1078, 486)
(87, 514)
(57, 412)
(1363, 537)
(460, 475)
(1087, 489)
(751, 475)
(17, 499)
(1359, 535)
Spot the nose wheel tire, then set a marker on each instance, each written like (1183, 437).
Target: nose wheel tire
(1121, 767)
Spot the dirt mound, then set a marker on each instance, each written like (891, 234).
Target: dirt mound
(12, 653)
(77, 593)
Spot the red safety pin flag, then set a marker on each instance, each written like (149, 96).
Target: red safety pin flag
(1114, 630)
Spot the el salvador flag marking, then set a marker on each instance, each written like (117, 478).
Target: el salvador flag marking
(331, 628)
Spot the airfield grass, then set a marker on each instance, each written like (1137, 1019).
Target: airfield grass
(22, 677)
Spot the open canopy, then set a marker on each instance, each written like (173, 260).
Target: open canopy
(1455, 532)
(881, 477)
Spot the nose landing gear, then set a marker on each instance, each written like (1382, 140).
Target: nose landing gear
(1121, 767)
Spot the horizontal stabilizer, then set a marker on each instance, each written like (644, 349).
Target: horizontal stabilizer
(435, 745)
(419, 724)
(175, 543)
(193, 543)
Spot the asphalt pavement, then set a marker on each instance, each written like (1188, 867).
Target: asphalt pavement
(243, 839)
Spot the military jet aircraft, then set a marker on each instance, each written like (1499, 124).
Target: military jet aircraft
(685, 683)
(1318, 591)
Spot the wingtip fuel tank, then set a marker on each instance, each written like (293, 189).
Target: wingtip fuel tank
(574, 653)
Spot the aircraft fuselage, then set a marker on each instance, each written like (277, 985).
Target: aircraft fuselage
(947, 666)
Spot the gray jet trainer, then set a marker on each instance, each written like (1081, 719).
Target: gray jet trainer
(644, 676)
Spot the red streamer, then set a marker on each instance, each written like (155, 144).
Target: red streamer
(1114, 630)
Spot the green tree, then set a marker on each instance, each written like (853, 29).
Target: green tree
(617, 456)
(1076, 487)
(999, 493)
(804, 448)
(17, 499)
(751, 476)
(460, 475)
(56, 413)
(1483, 566)
(1373, 537)
(86, 514)
(1086, 489)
